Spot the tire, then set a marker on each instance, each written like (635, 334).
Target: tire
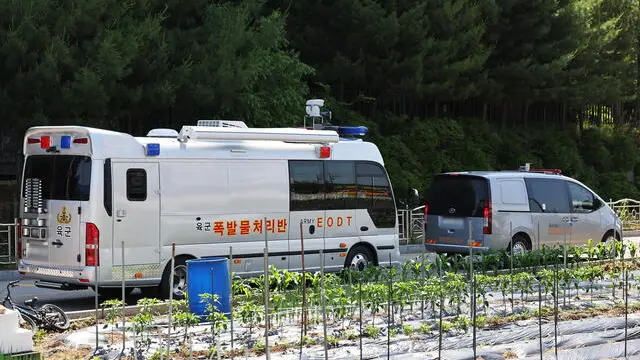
(62, 322)
(180, 274)
(27, 322)
(359, 258)
(519, 244)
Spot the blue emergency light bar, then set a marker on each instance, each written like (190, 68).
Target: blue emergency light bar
(353, 130)
(153, 149)
(65, 142)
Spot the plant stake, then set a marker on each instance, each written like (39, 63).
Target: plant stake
(324, 306)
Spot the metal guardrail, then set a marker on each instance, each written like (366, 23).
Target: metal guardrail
(411, 221)
(628, 211)
(8, 248)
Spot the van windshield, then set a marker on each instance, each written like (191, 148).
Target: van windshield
(458, 196)
(63, 177)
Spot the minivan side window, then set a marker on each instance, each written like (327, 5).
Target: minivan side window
(375, 195)
(582, 200)
(548, 195)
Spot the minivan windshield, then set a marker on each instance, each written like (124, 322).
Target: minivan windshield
(63, 177)
(458, 196)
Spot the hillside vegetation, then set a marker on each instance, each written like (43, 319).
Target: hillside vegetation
(443, 84)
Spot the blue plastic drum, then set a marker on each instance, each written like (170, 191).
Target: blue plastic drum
(208, 276)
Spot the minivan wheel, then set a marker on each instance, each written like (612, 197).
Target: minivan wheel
(518, 245)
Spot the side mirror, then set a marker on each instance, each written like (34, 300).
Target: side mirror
(412, 197)
(590, 205)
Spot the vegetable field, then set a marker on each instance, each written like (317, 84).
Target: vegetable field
(573, 302)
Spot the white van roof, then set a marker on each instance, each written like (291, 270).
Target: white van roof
(102, 144)
(507, 174)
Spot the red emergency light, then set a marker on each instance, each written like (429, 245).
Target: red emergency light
(45, 142)
(325, 152)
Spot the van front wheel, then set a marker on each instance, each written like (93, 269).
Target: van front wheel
(519, 245)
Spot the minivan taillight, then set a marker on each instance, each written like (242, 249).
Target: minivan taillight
(91, 247)
(19, 239)
(426, 212)
(487, 219)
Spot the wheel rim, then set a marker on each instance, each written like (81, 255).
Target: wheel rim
(359, 261)
(179, 280)
(519, 248)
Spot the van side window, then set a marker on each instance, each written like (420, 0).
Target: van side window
(306, 185)
(375, 195)
(548, 195)
(340, 179)
(582, 200)
(136, 185)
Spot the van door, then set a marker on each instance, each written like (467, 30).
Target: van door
(136, 214)
(341, 231)
(456, 206)
(585, 218)
(376, 218)
(62, 183)
(550, 210)
(307, 194)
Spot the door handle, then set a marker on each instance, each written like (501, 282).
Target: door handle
(312, 229)
(364, 228)
(121, 213)
(57, 243)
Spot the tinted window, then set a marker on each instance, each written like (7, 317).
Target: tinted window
(548, 195)
(136, 184)
(340, 178)
(375, 195)
(306, 179)
(458, 196)
(62, 177)
(582, 200)
(107, 187)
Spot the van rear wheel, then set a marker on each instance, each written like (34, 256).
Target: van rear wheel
(519, 245)
(179, 283)
(359, 258)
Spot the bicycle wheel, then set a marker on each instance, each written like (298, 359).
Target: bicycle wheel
(55, 317)
(27, 322)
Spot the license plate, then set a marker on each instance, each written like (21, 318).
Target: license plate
(456, 223)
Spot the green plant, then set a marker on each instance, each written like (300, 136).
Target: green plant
(407, 330)
(371, 331)
(113, 308)
(424, 328)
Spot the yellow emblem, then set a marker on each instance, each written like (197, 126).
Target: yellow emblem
(63, 216)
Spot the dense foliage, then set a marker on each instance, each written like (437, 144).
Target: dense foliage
(551, 82)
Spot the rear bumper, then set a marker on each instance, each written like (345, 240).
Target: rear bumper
(48, 276)
(455, 249)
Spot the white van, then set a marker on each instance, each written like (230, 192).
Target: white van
(524, 209)
(206, 189)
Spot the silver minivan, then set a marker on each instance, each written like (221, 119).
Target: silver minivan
(521, 209)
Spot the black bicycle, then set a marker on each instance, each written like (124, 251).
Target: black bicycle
(47, 316)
